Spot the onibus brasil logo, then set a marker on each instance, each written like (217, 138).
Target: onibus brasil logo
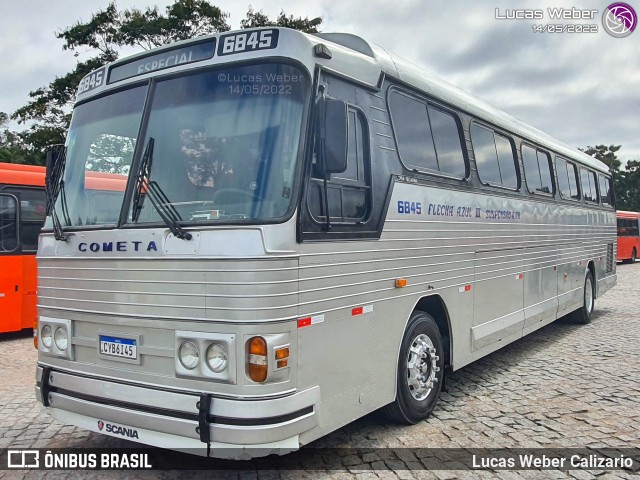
(619, 20)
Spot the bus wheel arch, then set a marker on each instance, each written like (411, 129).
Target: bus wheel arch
(434, 305)
(426, 339)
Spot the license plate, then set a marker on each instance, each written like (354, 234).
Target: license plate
(118, 347)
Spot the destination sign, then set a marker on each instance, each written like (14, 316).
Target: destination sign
(166, 59)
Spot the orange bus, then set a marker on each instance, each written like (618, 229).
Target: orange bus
(628, 236)
(22, 213)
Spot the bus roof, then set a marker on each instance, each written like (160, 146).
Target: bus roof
(626, 214)
(17, 174)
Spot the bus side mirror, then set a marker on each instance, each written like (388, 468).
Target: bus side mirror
(334, 137)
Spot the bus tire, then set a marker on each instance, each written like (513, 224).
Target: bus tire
(420, 371)
(583, 314)
(634, 255)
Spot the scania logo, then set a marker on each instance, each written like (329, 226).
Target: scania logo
(117, 430)
(123, 246)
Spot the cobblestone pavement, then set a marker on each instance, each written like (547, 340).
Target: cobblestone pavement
(562, 386)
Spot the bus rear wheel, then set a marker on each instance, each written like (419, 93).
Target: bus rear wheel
(420, 371)
(583, 314)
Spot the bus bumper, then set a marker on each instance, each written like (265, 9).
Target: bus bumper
(239, 429)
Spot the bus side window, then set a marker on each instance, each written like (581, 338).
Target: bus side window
(428, 137)
(605, 190)
(537, 170)
(349, 192)
(32, 215)
(567, 179)
(495, 159)
(8, 223)
(589, 190)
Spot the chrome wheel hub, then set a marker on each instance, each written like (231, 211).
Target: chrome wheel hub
(422, 367)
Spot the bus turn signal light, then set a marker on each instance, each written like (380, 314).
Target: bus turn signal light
(401, 282)
(282, 357)
(282, 352)
(258, 359)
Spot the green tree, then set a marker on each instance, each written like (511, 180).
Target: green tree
(258, 19)
(101, 38)
(626, 181)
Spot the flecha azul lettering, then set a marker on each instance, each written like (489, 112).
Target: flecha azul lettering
(122, 246)
(440, 210)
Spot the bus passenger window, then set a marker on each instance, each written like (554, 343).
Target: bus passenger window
(567, 179)
(32, 215)
(494, 157)
(605, 190)
(537, 170)
(447, 141)
(412, 131)
(589, 185)
(427, 138)
(8, 223)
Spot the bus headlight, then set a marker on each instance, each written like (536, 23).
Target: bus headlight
(61, 338)
(217, 357)
(189, 355)
(46, 336)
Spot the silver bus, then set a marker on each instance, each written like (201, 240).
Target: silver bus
(256, 237)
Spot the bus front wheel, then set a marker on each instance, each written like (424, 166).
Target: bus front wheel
(583, 314)
(420, 371)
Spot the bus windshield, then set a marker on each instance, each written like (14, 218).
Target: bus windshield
(224, 147)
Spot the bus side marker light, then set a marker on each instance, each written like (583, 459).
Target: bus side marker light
(306, 321)
(401, 282)
(520, 276)
(257, 359)
(361, 310)
(466, 288)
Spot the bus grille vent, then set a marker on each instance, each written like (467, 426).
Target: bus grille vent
(609, 257)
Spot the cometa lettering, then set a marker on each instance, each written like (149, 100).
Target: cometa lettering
(123, 246)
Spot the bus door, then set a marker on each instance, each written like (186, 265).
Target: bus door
(10, 265)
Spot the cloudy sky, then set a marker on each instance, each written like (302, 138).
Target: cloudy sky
(583, 88)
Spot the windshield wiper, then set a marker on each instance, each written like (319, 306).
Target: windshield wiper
(146, 188)
(55, 187)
